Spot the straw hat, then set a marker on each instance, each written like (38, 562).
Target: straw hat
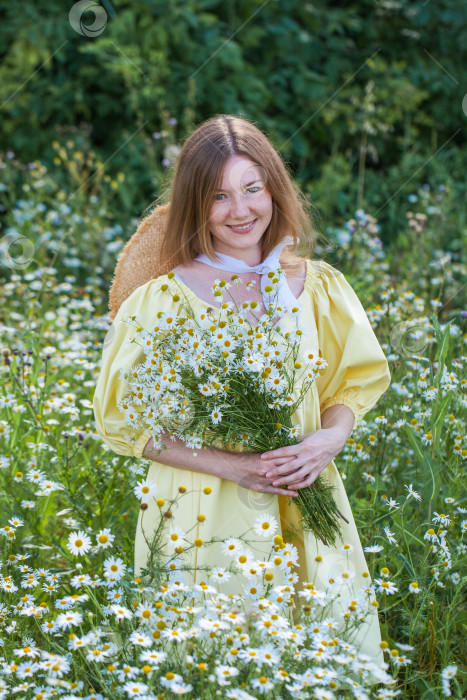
(140, 259)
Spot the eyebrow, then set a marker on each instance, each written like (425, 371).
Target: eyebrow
(247, 185)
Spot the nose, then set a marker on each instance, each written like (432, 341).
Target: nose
(239, 208)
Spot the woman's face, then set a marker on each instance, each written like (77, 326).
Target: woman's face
(242, 199)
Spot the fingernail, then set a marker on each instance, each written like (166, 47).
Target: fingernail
(268, 475)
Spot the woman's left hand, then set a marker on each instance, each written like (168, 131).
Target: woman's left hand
(312, 454)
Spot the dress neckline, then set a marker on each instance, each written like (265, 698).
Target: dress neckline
(306, 287)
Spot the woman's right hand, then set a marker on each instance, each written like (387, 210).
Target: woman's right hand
(250, 472)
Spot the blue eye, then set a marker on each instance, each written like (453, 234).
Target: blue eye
(256, 187)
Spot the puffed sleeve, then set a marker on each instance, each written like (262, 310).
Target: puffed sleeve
(358, 372)
(118, 352)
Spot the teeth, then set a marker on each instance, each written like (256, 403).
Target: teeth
(244, 226)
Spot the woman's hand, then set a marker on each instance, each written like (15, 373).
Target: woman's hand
(306, 460)
(250, 473)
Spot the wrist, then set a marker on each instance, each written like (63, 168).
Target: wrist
(148, 448)
(339, 434)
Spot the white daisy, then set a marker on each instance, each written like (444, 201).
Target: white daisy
(387, 587)
(68, 619)
(133, 689)
(231, 546)
(141, 639)
(390, 535)
(411, 492)
(104, 538)
(265, 525)
(145, 490)
(79, 542)
(441, 518)
(374, 548)
(114, 567)
(216, 415)
(120, 612)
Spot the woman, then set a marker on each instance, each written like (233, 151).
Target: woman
(233, 206)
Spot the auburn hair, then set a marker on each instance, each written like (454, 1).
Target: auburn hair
(196, 176)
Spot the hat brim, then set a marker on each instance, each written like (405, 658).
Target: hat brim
(140, 260)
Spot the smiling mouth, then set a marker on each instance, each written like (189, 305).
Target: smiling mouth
(242, 227)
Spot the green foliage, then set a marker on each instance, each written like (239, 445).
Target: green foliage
(359, 122)
(411, 445)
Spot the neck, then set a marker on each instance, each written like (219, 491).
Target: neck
(251, 258)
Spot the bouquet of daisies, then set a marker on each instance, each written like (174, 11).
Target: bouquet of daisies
(213, 378)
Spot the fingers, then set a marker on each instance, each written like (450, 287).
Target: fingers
(277, 491)
(304, 483)
(279, 453)
(283, 468)
(297, 476)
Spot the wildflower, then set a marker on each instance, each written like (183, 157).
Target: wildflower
(79, 542)
(219, 574)
(140, 639)
(390, 535)
(132, 689)
(427, 439)
(144, 490)
(414, 587)
(216, 415)
(145, 612)
(391, 503)
(385, 586)
(413, 493)
(446, 675)
(262, 684)
(231, 546)
(174, 682)
(401, 660)
(69, 619)
(441, 518)
(55, 665)
(127, 672)
(155, 658)
(431, 535)
(26, 669)
(175, 534)
(224, 672)
(449, 500)
(114, 567)
(374, 548)
(49, 627)
(120, 612)
(430, 393)
(104, 538)
(265, 525)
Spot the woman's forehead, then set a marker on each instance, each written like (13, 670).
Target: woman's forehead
(241, 172)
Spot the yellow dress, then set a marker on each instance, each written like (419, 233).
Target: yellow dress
(356, 376)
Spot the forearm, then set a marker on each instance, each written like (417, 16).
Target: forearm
(206, 461)
(340, 420)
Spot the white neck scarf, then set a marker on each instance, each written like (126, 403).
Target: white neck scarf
(285, 298)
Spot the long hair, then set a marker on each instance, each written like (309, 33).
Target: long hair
(197, 177)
